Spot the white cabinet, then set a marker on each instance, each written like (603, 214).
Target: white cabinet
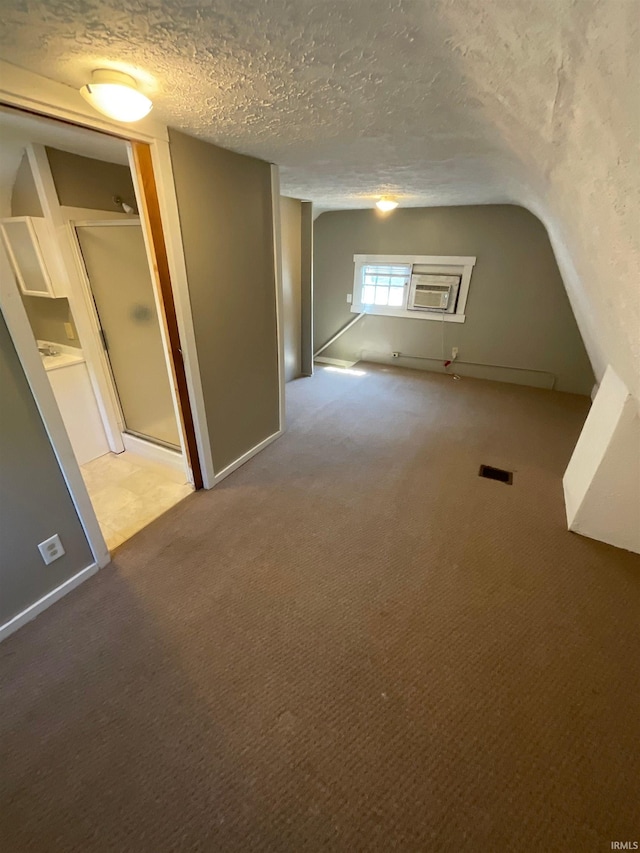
(78, 407)
(33, 256)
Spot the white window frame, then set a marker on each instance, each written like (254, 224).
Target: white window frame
(451, 264)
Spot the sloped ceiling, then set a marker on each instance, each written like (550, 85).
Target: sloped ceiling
(438, 101)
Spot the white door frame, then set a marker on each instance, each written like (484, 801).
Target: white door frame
(78, 290)
(160, 310)
(277, 260)
(54, 100)
(28, 91)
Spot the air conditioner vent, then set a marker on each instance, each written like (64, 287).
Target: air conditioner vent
(433, 292)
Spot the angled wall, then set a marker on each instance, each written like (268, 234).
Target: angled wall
(90, 182)
(517, 315)
(602, 480)
(550, 104)
(24, 195)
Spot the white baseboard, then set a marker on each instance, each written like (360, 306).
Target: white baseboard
(337, 362)
(154, 452)
(46, 601)
(246, 457)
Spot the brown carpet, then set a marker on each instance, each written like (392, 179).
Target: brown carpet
(353, 644)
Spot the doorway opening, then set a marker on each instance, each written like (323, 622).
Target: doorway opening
(80, 227)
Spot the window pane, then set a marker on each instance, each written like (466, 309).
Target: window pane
(388, 269)
(384, 284)
(382, 295)
(396, 295)
(368, 294)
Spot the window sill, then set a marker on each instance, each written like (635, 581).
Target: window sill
(384, 311)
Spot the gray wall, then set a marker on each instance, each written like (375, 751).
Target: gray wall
(224, 201)
(34, 500)
(518, 313)
(291, 229)
(47, 318)
(24, 196)
(86, 182)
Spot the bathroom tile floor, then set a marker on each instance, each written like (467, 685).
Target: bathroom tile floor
(129, 492)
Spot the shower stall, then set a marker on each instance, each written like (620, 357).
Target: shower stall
(123, 302)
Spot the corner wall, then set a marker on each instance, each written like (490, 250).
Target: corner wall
(225, 206)
(307, 289)
(291, 225)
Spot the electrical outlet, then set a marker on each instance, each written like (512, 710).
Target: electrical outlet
(349, 298)
(454, 353)
(51, 549)
(68, 328)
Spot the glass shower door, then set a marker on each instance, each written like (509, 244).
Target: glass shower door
(116, 263)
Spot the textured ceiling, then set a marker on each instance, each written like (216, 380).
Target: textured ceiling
(348, 98)
(438, 101)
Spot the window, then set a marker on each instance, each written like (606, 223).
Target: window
(421, 287)
(384, 284)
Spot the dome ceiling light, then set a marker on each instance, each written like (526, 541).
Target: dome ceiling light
(116, 95)
(386, 204)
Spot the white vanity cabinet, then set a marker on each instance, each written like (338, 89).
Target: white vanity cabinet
(69, 378)
(33, 256)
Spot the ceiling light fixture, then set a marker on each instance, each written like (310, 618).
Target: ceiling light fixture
(386, 204)
(116, 95)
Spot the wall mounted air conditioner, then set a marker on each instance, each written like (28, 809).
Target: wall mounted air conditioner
(433, 292)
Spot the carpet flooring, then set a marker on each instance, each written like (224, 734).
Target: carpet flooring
(354, 643)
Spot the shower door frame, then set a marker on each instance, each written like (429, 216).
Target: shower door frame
(111, 400)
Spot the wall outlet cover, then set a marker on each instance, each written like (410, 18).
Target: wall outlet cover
(68, 328)
(349, 298)
(51, 549)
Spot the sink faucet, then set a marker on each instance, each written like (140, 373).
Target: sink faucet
(48, 350)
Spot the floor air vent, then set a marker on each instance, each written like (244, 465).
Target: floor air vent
(496, 474)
